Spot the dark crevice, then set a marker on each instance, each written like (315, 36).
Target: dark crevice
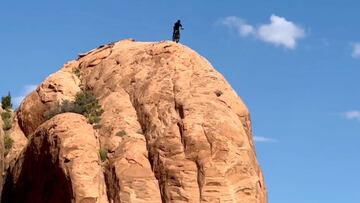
(66, 160)
(180, 110)
(163, 199)
(153, 158)
(20, 123)
(180, 125)
(208, 139)
(112, 186)
(200, 179)
(40, 179)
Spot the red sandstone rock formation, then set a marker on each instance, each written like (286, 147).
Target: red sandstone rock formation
(185, 135)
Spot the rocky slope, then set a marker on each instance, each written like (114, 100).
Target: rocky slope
(174, 130)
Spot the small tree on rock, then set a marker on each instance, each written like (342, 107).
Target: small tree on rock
(85, 104)
(6, 102)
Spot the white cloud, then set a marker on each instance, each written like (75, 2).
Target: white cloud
(263, 139)
(279, 31)
(238, 24)
(27, 89)
(356, 50)
(352, 115)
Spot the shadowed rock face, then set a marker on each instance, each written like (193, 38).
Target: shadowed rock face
(60, 164)
(174, 129)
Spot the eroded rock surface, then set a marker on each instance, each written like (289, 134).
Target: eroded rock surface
(60, 164)
(174, 129)
(60, 86)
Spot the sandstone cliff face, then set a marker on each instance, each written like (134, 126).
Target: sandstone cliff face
(185, 134)
(59, 164)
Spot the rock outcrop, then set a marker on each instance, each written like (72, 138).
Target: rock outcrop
(174, 129)
(2, 151)
(60, 164)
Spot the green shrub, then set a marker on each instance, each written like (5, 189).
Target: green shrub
(68, 106)
(85, 104)
(7, 125)
(8, 142)
(6, 102)
(6, 118)
(103, 154)
(52, 112)
(121, 133)
(6, 115)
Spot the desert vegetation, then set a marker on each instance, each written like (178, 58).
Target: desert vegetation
(85, 104)
(6, 117)
(103, 154)
(121, 133)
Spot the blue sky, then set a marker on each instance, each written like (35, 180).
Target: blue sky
(296, 64)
